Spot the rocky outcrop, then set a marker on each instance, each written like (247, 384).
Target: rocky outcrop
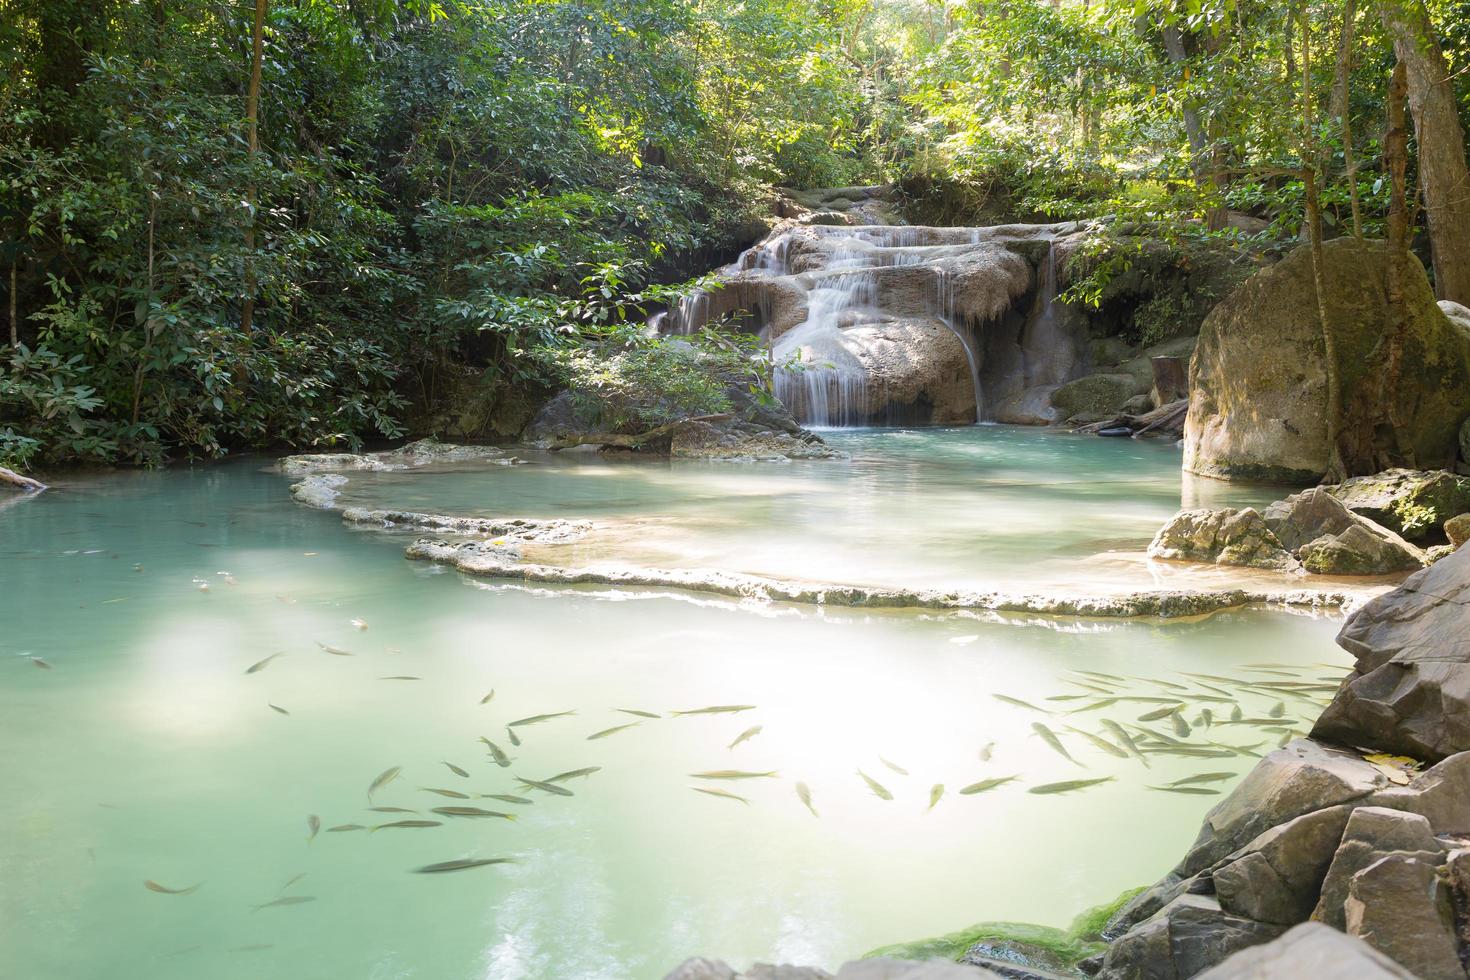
(1410, 690)
(424, 452)
(1414, 503)
(1311, 531)
(875, 969)
(1310, 950)
(1258, 400)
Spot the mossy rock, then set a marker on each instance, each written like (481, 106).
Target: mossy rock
(1047, 947)
(1414, 503)
(1258, 377)
(1096, 396)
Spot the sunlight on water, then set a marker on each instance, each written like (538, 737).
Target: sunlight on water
(147, 752)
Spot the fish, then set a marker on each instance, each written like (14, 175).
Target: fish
(731, 774)
(1126, 739)
(1069, 786)
(720, 793)
(401, 677)
(314, 825)
(1204, 777)
(515, 739)
(545, 787)
(986, 751)
(456, 770)
(497, 753)
(277, 709)
(896, 768)
(935, 793)
(536, 719)
(1094, 706)
(640, 714)
(453, 794)
(154, 886)
(1191, 790)
(286, 900)
(359, 624)
(392, 809)
(294, 880)
(1181, 727)
(1018, 702)
(489, 697)
(1050, 738)
(964, 640)
(343, 827)
(471, 811)
(505, 797)
(406, 824)
(1278, 710)
(260, 665)
(717, 709)
(877, 787)
(749, 733)
(562, 777)
(334, 651)
(804, 793)
(1207, 716)
(987, 784)
(386, 777)
(40, 663)
(1158, 713)
(1236, 714)
(613, 730)
(462, 864)
(1100, 742)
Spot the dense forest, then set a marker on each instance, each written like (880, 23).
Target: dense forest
(309, 223)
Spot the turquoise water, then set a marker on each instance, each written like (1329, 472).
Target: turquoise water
(147, 752)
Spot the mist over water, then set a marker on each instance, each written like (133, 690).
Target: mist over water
(147, 752)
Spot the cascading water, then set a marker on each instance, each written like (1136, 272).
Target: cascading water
(818, 376)
(956, 324)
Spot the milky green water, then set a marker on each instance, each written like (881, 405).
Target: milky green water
(147, 753)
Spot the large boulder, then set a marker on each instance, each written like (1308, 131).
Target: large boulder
(1372, 833)
(1258, 380)
(1414, 503)
(1310, 950)
(1457, 529)
(1095, 397)
(700, 968)
(1400, 907)
(1410, 690)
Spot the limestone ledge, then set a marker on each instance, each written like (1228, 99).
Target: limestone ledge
(487, 560)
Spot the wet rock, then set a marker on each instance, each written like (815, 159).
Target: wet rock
(1310, 950)
(1016, 960)
(321, 490)
(1258, 379)
(1223, 537)
(699, 968)
(874, 969)
(423, 452)
(1276, 878)
(1413, 503)
(1399, 906)
(1371, 834)
(1457, 529)
(1410, 690)
(1185, 937)
(738, 440)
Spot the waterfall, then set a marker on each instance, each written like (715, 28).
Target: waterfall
(960, 329)
(829, 385)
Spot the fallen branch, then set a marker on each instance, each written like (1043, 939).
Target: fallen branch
(24, 482)
(627, 440)
(1166, 418)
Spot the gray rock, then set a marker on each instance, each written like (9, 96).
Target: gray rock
(1331, 540)
(1276, 878)
(1094, 397)
(1440, 794)
(1311, 950)
(1223, 537)
(890, 969)
(1413, 503)
(1018, 960)
(1372, 833)
(1410, 690)
(699, 968)
(1302, 777)
(1185, 937)
(1398, 906)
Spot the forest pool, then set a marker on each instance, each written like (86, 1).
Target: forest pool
(146, 752)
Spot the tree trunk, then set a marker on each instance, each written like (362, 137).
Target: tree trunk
(1396, 155)
(1342, 108)
(24, 482)
(1336, 471)
(1203, 159)
(252, 117)
(1443, 175)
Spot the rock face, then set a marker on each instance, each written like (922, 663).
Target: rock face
(1258, 401)
(1310, 531)
(1410, 690)
(1457, 529)
(1414, 503)
(1313, 951)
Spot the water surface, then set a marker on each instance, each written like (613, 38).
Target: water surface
(147, 752)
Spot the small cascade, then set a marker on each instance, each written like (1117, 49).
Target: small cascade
(1047, 293)
(961, 330)
(828, 385)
